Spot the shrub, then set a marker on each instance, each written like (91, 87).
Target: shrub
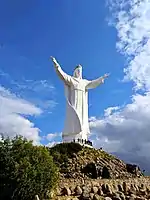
(25, 170)
(61, 152)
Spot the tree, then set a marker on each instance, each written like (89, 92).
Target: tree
(25, 170)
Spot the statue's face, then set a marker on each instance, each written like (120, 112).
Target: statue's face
(78, 72)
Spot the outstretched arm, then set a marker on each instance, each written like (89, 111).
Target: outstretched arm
(63, 76)
(94, 83)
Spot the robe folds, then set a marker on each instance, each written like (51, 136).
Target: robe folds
(76, 92)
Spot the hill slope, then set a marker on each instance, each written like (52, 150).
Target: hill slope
(80, 162)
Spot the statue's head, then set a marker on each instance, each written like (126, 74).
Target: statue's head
(78, 72)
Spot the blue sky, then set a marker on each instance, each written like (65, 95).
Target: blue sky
(75, 32)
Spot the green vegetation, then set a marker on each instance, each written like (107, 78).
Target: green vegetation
(94, 153)
(25, 170)
(61, 152)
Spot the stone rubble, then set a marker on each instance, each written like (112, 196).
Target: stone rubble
(129, 189)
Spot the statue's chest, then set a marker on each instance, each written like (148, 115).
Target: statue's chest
(78, 85)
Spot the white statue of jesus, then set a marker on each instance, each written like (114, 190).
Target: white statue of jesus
(76, 92)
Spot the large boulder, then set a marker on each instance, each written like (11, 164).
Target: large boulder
(105, 173)
(94, 171)
(133, 169)
(90, 170)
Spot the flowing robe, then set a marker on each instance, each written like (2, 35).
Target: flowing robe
(76, 93)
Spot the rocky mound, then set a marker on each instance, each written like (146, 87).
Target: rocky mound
(77, 162)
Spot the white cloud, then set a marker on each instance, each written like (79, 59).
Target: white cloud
(24, 98)
(9, 102)
(39, 86)
(12, 116)
(130, 125)
(126, 131)
(40, 92)
(132, 21)
(53, 136)
(52, 144)
(110, 110)
(52, 139)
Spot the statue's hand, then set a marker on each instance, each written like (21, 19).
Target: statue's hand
(106, 76)
(103, 77)
(54, 61)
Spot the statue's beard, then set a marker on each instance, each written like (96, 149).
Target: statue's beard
(78, 73)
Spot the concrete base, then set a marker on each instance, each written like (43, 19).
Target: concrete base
(69, 137)
(81, 142)
(86, 145)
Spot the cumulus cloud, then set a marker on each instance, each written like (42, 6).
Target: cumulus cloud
(132, 21)
(53, 136)
(23, 99)
(128, 127)
(52, 144)
(40, 92)
(13, 116)
(53, 139)
(125, 131)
